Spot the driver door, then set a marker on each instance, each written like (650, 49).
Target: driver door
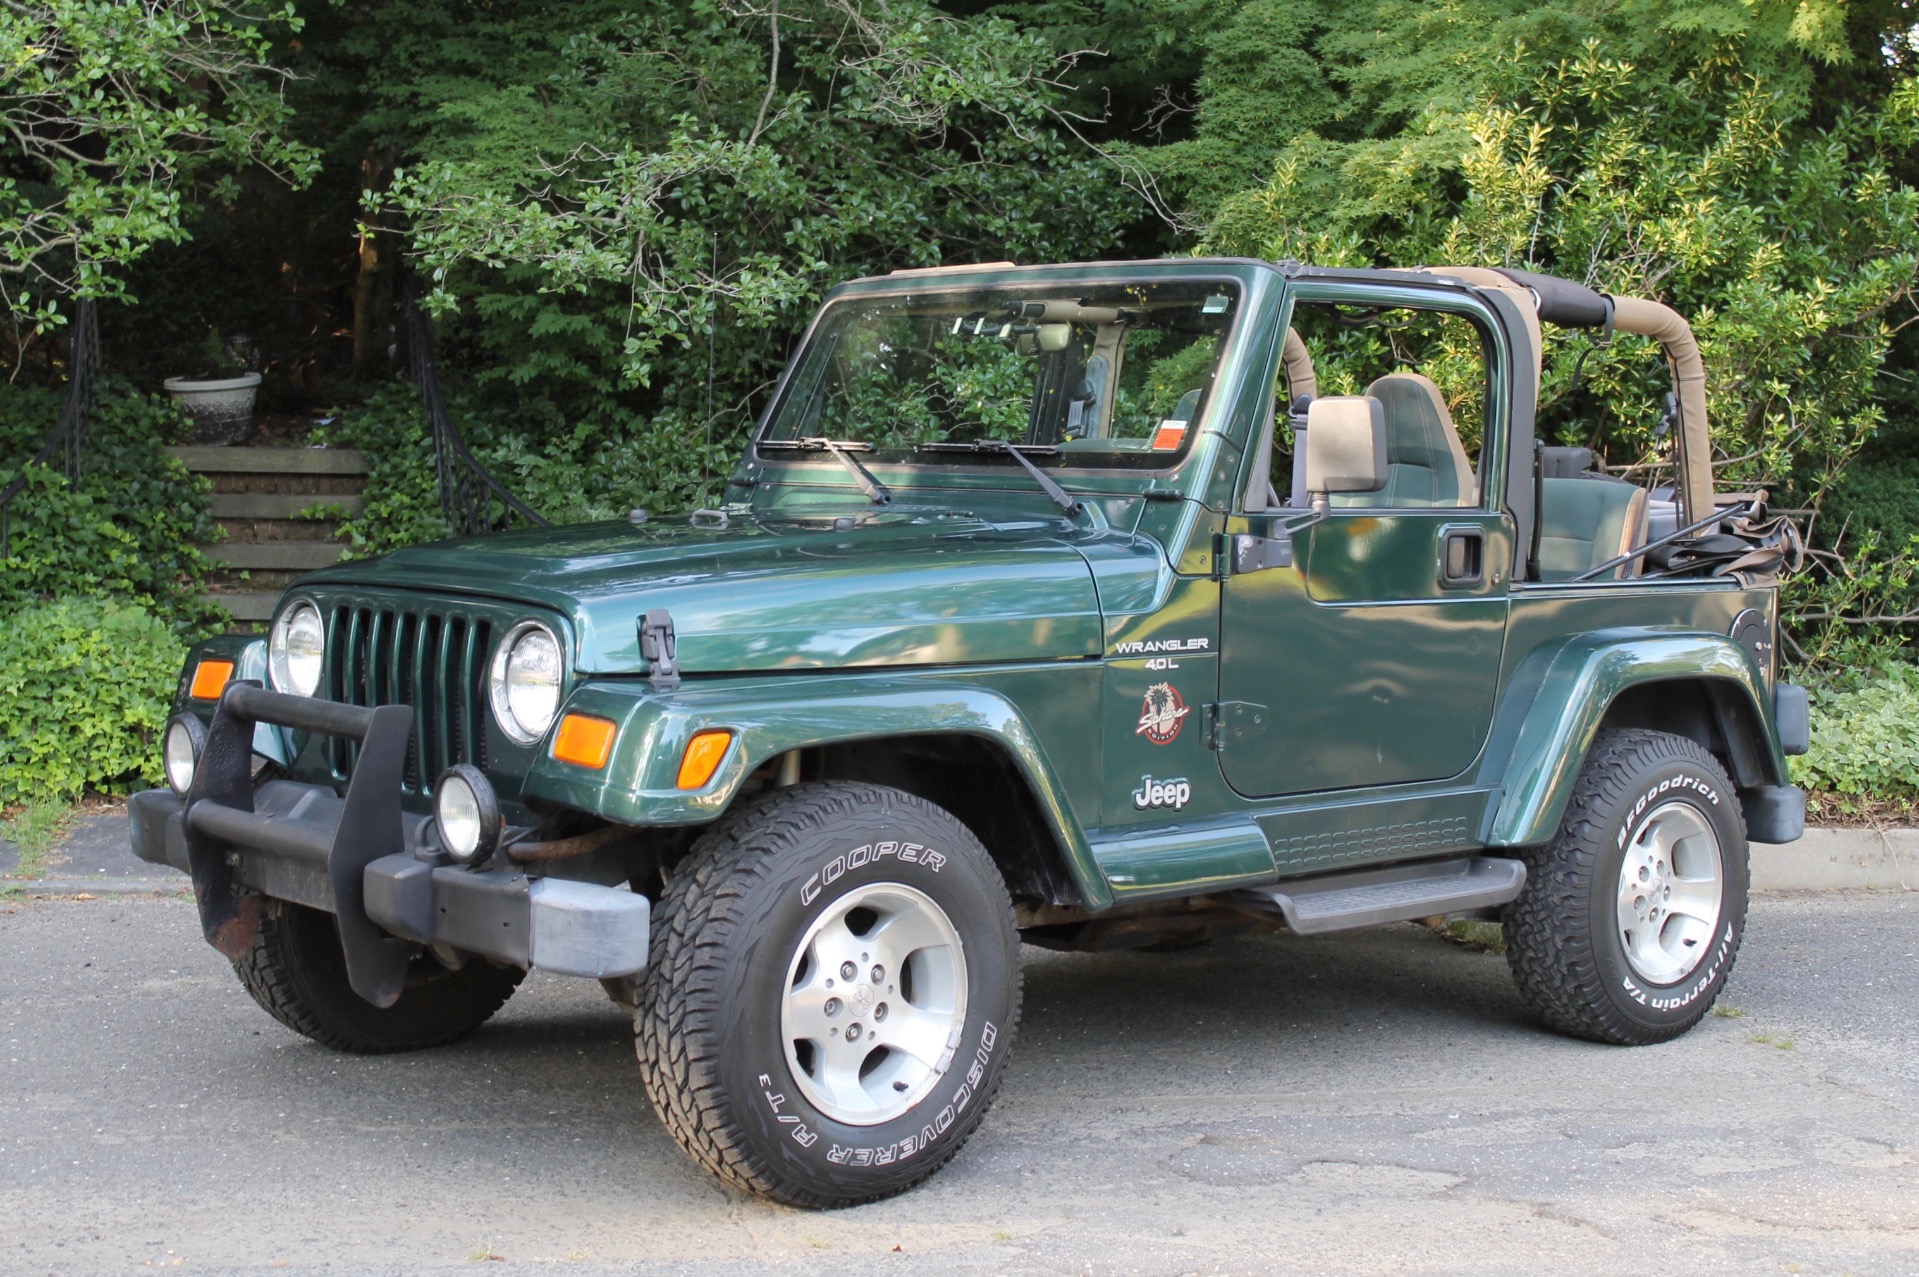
(1373, 658)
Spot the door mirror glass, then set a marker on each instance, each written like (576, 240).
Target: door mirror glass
(1345, 444)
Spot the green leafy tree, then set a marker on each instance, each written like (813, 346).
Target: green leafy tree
(121, 113)
(1789, 236)
(706, 172)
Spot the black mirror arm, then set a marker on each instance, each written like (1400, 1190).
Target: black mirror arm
(1250, 553)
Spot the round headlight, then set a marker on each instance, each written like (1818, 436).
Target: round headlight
(526, 682)
(468, 813)
(180, 751)
(295, 650)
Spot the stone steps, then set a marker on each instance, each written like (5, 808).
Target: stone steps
(286, 506)
(261, 497)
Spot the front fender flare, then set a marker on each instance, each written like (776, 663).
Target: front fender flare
(1558, 697)
(770, 716)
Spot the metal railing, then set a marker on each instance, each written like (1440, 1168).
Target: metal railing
(472, 500)
(68, 438)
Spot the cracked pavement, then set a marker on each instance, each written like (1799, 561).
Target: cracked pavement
(1374, 1102)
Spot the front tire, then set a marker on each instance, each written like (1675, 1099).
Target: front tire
(296, 970)
(1631, 918)
(832, 996)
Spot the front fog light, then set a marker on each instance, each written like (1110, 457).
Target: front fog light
(180, 751)
(468, 814)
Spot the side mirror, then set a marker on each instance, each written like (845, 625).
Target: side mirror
(1345, 446)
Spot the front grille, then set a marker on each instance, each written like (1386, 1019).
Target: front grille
(431, 659)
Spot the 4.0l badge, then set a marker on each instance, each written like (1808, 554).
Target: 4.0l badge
(1161, 714)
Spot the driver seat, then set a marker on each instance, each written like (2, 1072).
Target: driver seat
(1426, 464)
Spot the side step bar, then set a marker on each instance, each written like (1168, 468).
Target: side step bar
(1367, 897)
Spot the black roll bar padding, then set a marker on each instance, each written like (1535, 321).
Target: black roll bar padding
(219, 817)
(1563, 302)
(1518, 499)
(1539, 510)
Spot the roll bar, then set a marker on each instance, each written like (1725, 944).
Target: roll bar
(1570, 305)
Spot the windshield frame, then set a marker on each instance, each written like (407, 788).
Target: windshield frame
(1091, 464)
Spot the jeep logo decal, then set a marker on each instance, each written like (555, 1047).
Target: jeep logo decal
(1162, 793)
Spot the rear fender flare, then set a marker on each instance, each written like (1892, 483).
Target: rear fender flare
(638, 785)
(1559, 696)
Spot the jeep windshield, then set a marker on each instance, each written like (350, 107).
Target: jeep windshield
(1074, 376)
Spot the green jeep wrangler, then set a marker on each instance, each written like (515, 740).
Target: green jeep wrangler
(1053, 605)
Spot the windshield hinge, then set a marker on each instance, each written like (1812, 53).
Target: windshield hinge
(661, 649)
(1238, 553)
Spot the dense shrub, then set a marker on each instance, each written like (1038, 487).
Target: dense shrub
(84, 689)
(1865, 737)
(126, 530)
(567, 474)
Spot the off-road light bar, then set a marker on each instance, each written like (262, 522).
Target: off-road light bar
(468, 814)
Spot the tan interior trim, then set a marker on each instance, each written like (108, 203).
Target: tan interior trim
(1633, 534)
(1301, 379)
(1666, 325)
(1486, 277)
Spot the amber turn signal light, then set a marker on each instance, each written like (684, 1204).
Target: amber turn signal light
(584, 741)
(210, 678)
(702, 758)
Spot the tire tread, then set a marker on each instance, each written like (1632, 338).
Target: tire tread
(676, 1024)
(1549, 939)
(294, 985)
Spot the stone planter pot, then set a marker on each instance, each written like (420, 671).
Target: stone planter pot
(222, 410)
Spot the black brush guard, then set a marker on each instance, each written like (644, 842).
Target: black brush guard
(220, 816)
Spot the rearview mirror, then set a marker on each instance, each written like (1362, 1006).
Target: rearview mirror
(1345, 445)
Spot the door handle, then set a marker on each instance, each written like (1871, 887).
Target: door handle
(1462, 557)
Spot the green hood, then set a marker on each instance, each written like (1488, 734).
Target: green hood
(901, 590)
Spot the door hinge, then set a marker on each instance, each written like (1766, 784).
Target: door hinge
(1234, 722)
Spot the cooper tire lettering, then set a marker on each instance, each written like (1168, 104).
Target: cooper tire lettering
(726, 1084)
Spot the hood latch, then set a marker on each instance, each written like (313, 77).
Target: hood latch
(661, 649)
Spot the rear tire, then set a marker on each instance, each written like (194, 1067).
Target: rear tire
(1631, 917)
(296, 970)
(821, 916)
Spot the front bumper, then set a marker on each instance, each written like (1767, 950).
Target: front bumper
(363, 859)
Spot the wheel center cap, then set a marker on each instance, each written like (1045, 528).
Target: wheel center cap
(861, 1000)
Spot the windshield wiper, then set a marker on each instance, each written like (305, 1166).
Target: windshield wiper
(878, 492)
(1061, 497)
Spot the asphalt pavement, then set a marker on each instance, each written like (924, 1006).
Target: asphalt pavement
(1374, 1102)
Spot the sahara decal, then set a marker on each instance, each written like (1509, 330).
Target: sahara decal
(1174, 793)
(1162, 714)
